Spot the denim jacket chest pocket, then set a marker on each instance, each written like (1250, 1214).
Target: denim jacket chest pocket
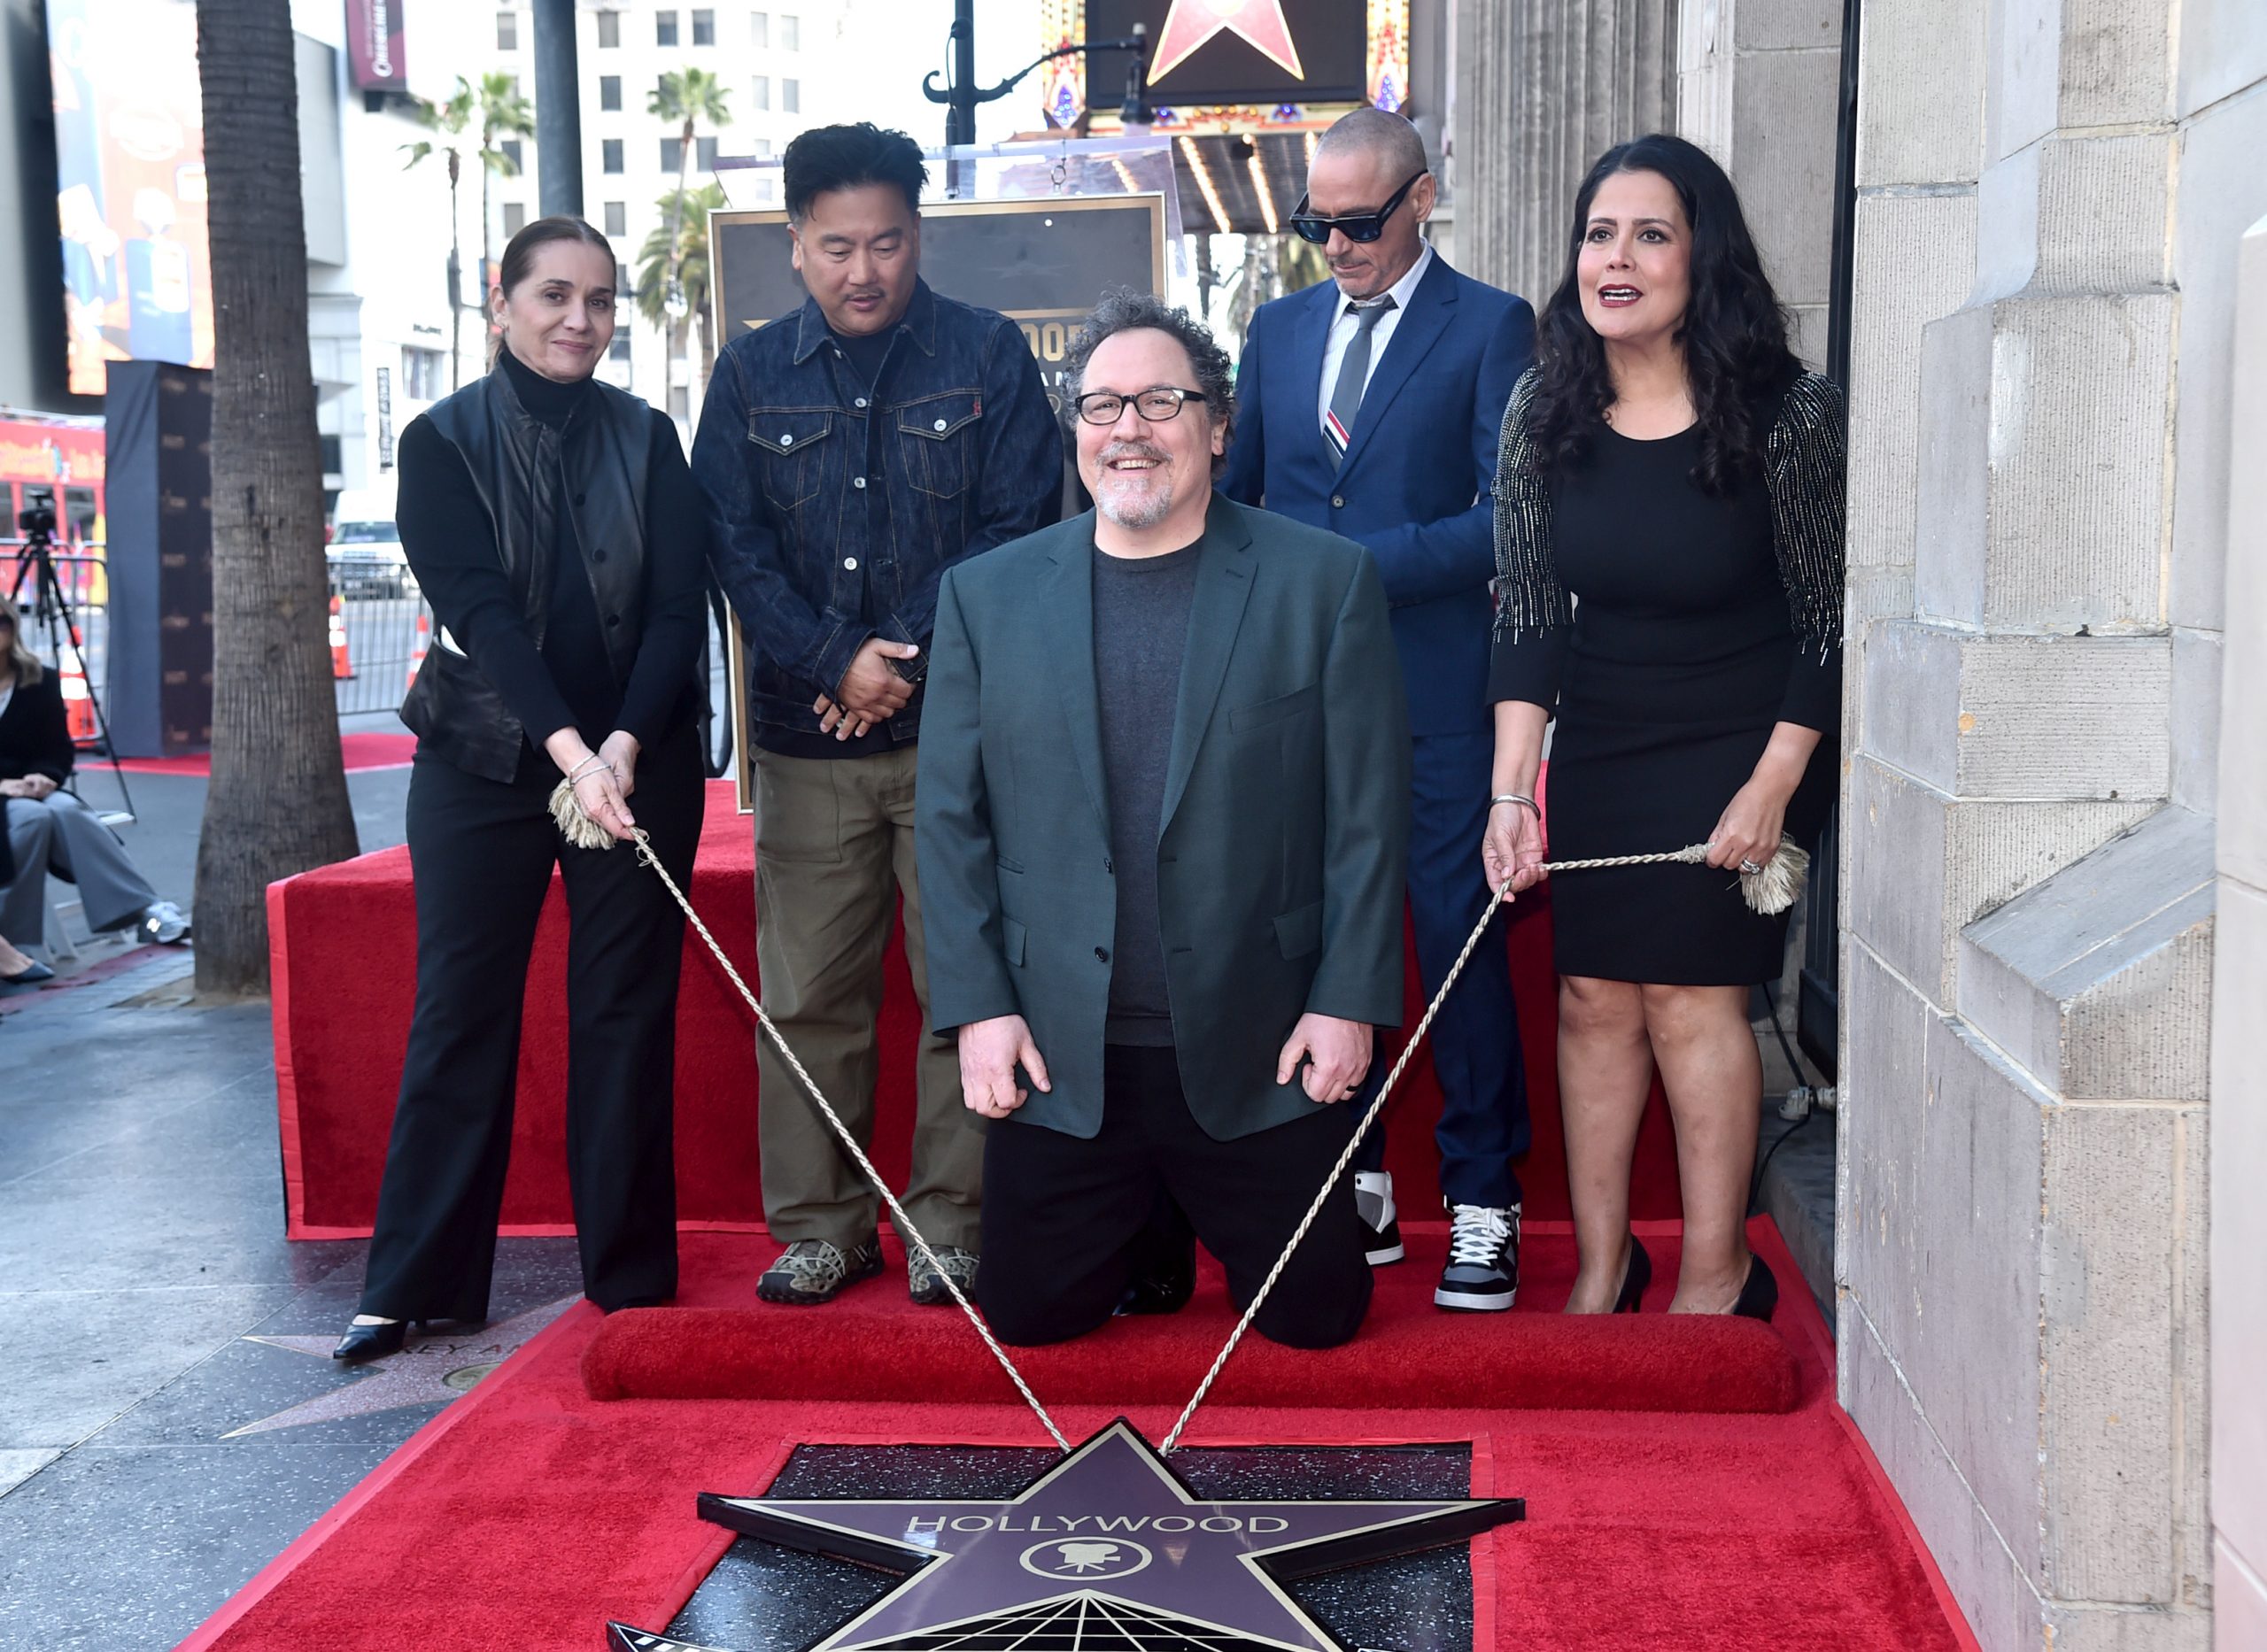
(790, 439)
(938, 438)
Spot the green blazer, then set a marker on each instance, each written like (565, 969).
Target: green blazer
(1283, 849)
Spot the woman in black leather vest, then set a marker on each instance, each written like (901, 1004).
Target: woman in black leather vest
(554, 525)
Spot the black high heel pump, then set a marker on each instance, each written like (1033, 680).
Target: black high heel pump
(1759, 1292)
(1636, 1274)
(363, 1343)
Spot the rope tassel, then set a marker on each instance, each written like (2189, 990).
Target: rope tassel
(1769, 891)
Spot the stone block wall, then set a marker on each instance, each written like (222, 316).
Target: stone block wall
(1758, 86)
(2051, 194)
(2239, 1109)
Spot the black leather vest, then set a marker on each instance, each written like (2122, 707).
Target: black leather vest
(518, 464)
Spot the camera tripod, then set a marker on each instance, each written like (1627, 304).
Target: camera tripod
(50, 611)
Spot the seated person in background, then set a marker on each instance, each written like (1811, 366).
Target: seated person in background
(49, 830)
(1163, 924)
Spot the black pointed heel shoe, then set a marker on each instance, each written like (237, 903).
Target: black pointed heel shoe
(1759, 1292)
(364, 1343)
(1636, 1274)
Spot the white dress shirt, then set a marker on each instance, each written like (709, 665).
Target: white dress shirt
(1342, 332)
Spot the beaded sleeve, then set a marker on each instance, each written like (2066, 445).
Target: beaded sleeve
(1806, 459)
(1534, 616)
(1529, 596)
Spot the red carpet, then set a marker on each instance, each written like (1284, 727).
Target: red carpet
(528, 1513)
(343, 942)
(360, 751)
(875, 1342)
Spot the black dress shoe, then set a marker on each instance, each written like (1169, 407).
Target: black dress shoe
(1636, 1274)
(363, 1343)
(1759, 1292)
(31, 975)
(1165, 1263)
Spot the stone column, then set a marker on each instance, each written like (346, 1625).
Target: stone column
(2050, 195)
(1543, 88)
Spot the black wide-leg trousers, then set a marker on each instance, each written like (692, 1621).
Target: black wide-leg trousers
(482, 851)
(1065, 1216)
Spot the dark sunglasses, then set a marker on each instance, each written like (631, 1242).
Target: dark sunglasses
(1356, 226)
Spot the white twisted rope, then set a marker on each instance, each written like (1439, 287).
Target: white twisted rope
(1775, 884)
(575, 833)
(1786, 865)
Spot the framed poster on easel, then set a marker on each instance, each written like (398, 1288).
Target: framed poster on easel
(1042, 262)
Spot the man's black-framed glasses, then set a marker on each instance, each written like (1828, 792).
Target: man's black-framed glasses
(1355, 226)
(1156, 405)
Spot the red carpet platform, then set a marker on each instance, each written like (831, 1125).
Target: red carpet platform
(528, 1513)
(360, 751)
(876, 1343)
(343, 942)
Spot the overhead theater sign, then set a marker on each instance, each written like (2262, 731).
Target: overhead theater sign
(1261, 52)
(1107, 1551)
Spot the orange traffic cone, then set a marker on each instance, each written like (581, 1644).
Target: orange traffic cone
(417, 648)
(342, 663)
(78, 704)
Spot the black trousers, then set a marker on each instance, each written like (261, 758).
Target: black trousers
(482, 851)
(1063, 1216)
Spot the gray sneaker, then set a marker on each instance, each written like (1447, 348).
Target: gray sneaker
(811, 1271)
(928, 1287)
(1484, 1272)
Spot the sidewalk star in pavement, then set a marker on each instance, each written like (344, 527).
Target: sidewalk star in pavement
(430, 1370)
(1108, 1547)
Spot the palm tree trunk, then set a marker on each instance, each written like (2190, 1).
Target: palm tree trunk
(277, 803)
(677, 206)
(456, 279)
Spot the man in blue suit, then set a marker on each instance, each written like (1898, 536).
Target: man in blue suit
(1372, 404)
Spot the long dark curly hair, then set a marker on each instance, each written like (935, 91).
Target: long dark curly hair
(1734, 333)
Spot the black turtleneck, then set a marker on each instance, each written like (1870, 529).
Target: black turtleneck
(451, 549)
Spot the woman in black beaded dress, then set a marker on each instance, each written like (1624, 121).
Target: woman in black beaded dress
(1668, 550)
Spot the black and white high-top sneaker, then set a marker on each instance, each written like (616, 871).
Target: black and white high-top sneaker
(1484, 1272)
(1380, 1221)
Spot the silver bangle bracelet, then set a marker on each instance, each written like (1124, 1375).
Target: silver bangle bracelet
(1522, 798)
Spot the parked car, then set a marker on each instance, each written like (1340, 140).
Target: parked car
(366, 560)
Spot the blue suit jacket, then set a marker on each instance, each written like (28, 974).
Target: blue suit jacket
(1414, 488)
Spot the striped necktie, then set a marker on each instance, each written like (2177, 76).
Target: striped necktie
(1353, 374)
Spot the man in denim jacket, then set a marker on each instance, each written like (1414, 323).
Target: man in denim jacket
(851, 453)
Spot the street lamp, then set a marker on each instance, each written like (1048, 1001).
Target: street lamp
(961, 94)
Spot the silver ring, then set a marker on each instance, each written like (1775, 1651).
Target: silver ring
(1751, 867)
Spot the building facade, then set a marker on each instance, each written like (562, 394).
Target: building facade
(630, 157)
(2053, 869)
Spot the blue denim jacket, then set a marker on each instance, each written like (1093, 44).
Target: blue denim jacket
(835, 509)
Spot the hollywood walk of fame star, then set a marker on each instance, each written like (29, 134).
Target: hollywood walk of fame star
(1108, 1549)
(421, 1374)
(1190, 23)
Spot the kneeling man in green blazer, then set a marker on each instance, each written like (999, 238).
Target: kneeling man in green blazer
(1163, 820)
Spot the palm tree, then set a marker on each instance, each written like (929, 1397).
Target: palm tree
(689, 95)
(450, 117)
(681, 256)
(504, 113)
(277, 802)
(495, 110)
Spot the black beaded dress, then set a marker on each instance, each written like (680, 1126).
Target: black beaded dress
(1670, 630)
